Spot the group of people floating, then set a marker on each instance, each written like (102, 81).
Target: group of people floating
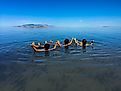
(47, 46)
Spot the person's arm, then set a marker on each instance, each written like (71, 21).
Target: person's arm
(70, 42)
(80, 43)
(77, 42)
(58, 43)
(53, 47)
(38, 50)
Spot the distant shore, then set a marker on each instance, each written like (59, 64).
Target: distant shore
(35, 26)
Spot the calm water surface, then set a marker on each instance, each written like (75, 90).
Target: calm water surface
(15, 43)
(97, 69)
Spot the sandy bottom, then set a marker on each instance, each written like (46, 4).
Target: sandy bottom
(96, 74)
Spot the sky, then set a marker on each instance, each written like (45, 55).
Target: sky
(66, 13)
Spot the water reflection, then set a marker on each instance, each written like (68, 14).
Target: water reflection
(83, 49)
(47, 53)
(67, 51)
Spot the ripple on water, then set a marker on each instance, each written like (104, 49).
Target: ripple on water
(39, 61)
(100, 54)
(22, 51)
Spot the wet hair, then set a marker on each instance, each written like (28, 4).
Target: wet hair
(92, 41)
(66, 41)
(84, 41)
(47, 46)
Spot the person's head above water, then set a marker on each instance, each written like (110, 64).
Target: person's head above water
(47, 46)
(92, 41)
(84, 41)
(66, 41)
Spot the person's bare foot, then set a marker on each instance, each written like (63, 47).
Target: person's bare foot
(32, 44)
(39, 44)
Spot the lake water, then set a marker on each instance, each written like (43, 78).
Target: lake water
(15, 42)
(23, 70)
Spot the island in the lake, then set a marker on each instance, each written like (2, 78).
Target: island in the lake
(35, 26)
(105, 26)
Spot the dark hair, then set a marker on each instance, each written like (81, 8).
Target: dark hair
(84, 41)
(47, 46)
(66, 41)
(92, 41)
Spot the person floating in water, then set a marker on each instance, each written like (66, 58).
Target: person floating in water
(42, 48)
(84, 43)
(66, 44)
(38, 46)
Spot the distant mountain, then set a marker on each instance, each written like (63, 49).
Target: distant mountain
(35, 26)
(105, 26)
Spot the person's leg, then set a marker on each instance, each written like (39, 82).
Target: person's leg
(39, 43)
(34, 48)
(38, 50)
(33, 44)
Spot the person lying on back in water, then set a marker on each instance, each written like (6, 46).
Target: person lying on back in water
(46, 47)
(83, 42)
(66, 44)
(39, 46)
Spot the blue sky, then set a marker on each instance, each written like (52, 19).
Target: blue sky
(74, 13)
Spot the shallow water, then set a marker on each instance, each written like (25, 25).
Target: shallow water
(15, 43)
(93, 69)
